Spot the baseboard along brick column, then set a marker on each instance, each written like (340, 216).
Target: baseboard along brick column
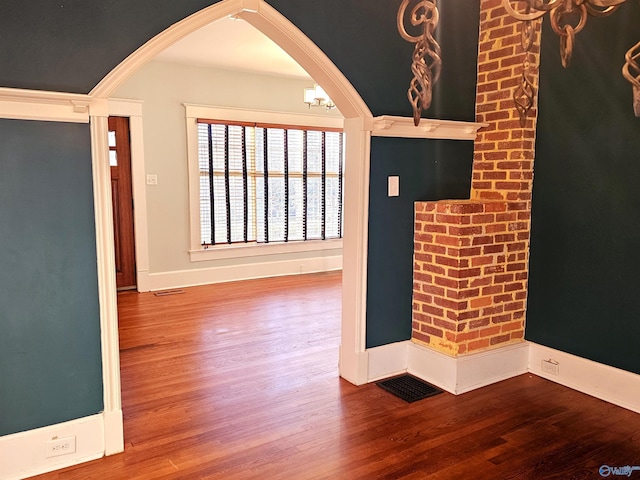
(471, 256)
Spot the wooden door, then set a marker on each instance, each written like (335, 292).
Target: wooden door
(122, 196)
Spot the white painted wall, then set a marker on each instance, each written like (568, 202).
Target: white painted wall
(164, 88)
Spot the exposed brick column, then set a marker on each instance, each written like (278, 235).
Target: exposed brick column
(504, 151)
(471, 256)
(470, 272)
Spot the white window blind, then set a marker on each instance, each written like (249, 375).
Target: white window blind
(265, 183)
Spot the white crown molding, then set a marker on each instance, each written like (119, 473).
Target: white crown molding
(392, 126)
(19, 104)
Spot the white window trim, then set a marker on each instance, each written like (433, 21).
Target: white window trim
(196, 252)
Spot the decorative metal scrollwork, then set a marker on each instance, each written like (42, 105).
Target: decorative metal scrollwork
(568, 18)
(427, 62)
(524, 93)
(631, 71)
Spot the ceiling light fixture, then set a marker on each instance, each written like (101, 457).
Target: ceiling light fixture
(316, 97)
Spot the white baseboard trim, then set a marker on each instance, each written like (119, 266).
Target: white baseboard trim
(204, 276)
(469, 372)
(113, 432)
(387, 360)
(23, 454)
(433, 367)
(455, 375)
(610, 384)
(481, 369)
(143, 284)
(353, 366)
(466, 373)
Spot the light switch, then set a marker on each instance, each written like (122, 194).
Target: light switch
(152, 179)
(394, 186)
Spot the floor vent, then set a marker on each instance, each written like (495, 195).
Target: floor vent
(408, 388)
(168, 292)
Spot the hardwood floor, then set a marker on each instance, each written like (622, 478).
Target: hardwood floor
(240, 381)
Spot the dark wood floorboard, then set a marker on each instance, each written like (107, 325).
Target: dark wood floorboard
(240, 381)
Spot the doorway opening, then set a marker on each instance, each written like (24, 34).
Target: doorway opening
(357, 126)
(122, 202)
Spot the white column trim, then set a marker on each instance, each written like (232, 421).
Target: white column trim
(353, 356)
(106, 281)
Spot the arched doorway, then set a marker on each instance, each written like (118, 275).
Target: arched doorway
(358, 125)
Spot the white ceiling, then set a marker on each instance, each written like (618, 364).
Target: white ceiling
(233, 44)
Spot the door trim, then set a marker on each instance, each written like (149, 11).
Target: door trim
(133, 110)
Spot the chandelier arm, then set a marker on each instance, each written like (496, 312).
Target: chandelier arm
(426, 60)
(560, 10)
(523, 17)
(402, 11)
(631, 57)
(605, 12)
(556, 18)
(606, 3)
(542, 5)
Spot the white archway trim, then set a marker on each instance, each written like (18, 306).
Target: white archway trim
(160, 42)
(307, 54)
(270, 22)
(358, 127)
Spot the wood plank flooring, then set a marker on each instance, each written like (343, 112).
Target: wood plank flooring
(240, 381)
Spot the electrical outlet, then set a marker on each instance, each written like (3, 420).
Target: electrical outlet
(551, 366)
(152, 179)
(61, 446)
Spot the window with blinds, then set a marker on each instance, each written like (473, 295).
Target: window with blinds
(269, 183)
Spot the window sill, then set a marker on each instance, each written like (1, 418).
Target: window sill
(220, 252)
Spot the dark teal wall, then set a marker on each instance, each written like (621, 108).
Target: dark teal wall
(362, 39)
(50, 362)
(428, 170)
(49, 349)
(585, 244)
(70, 45)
